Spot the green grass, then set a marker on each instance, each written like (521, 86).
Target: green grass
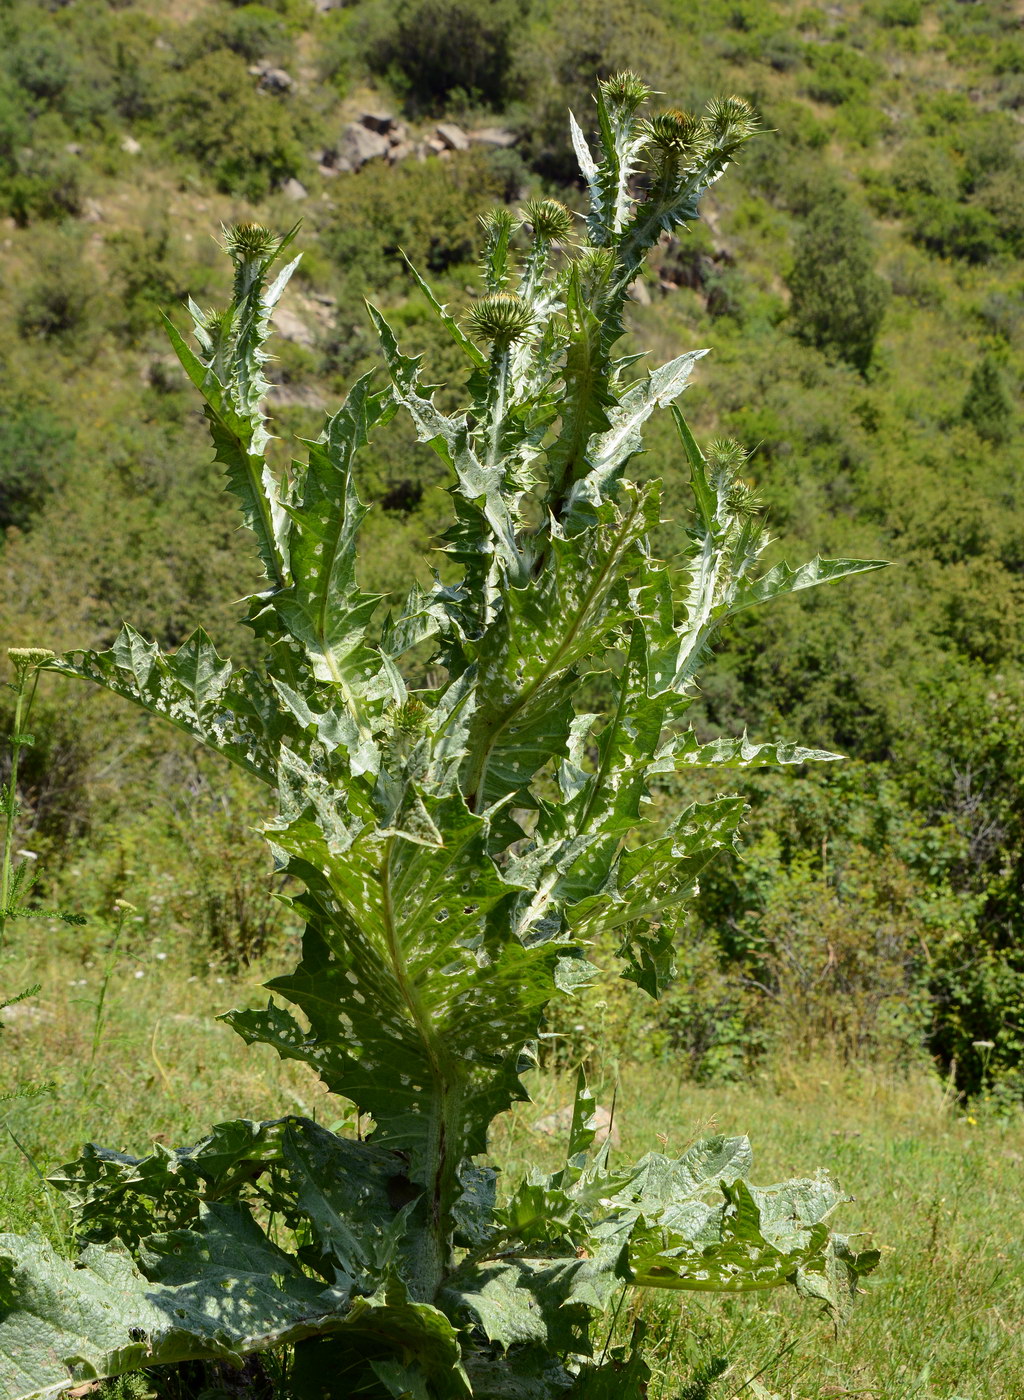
(939, 1189)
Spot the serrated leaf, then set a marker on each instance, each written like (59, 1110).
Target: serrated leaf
(687, 750)
(193, 689)
(324, 609)
(608, 452)
(409, 985)
(783, 579)
(545, 630)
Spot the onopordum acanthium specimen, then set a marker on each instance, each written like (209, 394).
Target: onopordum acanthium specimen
(460, 850)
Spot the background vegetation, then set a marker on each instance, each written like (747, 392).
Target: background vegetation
(858, 280)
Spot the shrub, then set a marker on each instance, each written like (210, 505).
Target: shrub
(838, 299)
(437, 48)
(34, 447)
(150, 272)
(427, 211)
(58, 300)
(955, 230)
(988, 406)
(840, 74)
(455, 849)
(42, 65)
(258, 149)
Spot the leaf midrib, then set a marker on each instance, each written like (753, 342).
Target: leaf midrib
(476, 787)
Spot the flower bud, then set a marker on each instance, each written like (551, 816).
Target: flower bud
(501, 317)
(550, 219)
(247, 242)
(625, 90)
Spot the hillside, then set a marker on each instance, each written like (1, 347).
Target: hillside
(858, 281)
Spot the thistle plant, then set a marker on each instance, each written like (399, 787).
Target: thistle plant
(459, 851)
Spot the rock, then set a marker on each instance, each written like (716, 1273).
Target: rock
(322, 6)
(435, 145)
(400, 151)
(638, 291)
(289, 325)
(92, 211)
(453, 137)
(306, 395)
(328, 171)
(359, 144)
(381, 122)
(73, 148)
(494, 136)
(558, 1123)
(131, 147)
(294, 189)
(276, 80)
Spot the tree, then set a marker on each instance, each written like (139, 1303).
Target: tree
(838, 299)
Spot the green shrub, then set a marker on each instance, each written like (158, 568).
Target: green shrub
(896, 14)
(150, 271)
(954, 230)
(251, 31)
(42, 65)
(839, 74)
(988, 406)
(59, 300)
(427, 210)
(34, 452)
(434, 49)
(258, 149)
(838, 299)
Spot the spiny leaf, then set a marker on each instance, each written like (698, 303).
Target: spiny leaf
(195, 690)
(783, 579)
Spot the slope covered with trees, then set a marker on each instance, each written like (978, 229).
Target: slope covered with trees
(859, 283)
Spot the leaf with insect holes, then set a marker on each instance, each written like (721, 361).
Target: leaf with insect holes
(234, 713)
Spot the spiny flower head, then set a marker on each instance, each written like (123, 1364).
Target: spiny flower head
(593, 269)
(730, 121)
(743, 500)
(550, 219)
(726, 456)
(681, 133)
(499, 223)
(626, 90)
(501, 317)
(247, 242)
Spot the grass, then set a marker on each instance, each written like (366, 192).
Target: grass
(942, 1319)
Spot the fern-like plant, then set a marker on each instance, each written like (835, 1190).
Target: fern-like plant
(459, 850)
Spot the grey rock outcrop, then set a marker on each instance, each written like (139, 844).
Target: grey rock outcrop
(276, 80)
(497, 137)
(454, 138)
